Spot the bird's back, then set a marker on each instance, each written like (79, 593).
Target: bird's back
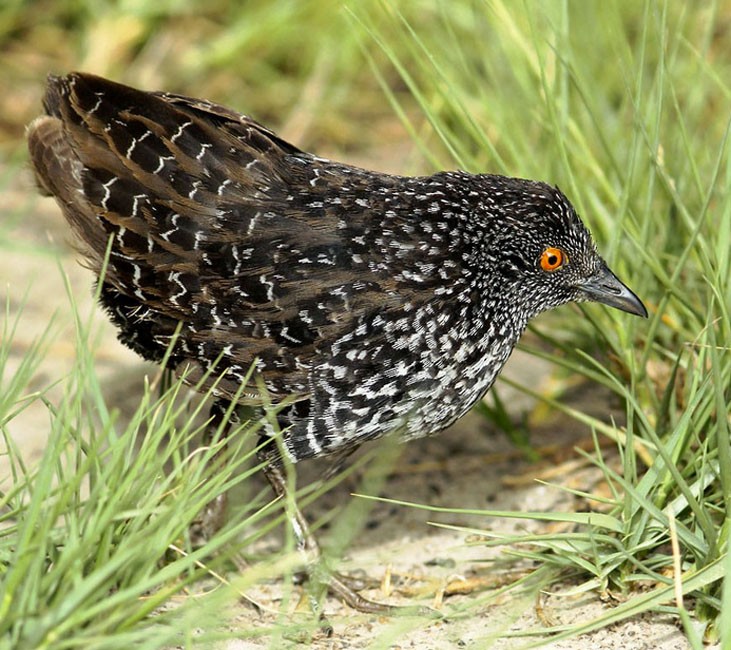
(329, 277)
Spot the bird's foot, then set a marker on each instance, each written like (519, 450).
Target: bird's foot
(346, 588)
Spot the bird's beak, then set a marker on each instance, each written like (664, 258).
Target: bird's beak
(605, 287)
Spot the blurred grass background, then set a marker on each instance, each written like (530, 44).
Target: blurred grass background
(624, 104)
(296, 65)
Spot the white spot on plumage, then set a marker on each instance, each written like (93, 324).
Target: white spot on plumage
(180, 130)
(107, 191)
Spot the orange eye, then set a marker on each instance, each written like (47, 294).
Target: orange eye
(553, 259)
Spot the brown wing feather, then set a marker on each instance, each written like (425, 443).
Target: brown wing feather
(210, 216)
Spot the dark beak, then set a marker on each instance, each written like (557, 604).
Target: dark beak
(605, 287)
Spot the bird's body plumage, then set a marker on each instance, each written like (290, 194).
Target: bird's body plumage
(379, 303)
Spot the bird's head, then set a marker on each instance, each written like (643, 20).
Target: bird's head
(543, 252)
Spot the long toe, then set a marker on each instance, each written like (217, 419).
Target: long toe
(353, 599)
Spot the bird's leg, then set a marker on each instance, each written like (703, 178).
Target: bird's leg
(338, 461)
(213, 515)
(310, 549)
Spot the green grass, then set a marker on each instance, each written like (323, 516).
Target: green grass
(624, 105)
(88, 537)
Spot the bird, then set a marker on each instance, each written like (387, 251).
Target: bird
(369, 304)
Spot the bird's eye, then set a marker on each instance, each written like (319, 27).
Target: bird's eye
(553, 259)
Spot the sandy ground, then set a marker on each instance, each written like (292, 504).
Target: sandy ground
(470, 466)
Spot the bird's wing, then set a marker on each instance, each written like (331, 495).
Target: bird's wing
(215, 223)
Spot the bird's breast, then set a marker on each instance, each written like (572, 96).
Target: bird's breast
(411, 375)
